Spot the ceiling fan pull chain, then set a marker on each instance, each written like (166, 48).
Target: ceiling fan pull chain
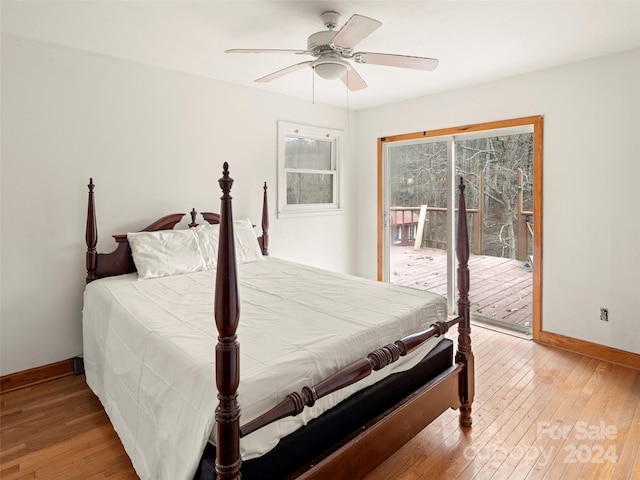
(313, 86)
(348, 106)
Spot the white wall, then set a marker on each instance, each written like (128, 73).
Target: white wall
(591, 172)
(154, 142)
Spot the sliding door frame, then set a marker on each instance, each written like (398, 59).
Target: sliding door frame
(537, 123)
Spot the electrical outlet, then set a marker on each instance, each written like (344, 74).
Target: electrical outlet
(604, 314)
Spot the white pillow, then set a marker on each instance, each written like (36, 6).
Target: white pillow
(165, 252)
(247, 246)
(208, 236)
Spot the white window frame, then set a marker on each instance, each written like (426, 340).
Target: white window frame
(288, 129)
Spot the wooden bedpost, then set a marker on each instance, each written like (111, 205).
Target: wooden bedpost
(91, 235)
(464, 353)
(227, 313)
(264, 244)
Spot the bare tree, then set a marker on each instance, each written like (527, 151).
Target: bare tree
(418, 177)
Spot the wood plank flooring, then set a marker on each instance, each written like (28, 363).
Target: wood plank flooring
(501, 289)
(539, 413)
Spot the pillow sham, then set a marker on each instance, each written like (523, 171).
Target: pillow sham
(208, 236)
(247, 246)
(165, 252)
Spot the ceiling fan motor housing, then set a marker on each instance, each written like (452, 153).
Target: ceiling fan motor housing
(320, 42)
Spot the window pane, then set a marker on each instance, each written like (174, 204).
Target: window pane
(306, 188)
(418, 176)
(505, 166)
(307, 153)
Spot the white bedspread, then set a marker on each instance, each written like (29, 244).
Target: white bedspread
(149, 350)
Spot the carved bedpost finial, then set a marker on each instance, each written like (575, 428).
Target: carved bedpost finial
(193, 214)
(225, 181)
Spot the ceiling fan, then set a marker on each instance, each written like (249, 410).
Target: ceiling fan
(332, 49)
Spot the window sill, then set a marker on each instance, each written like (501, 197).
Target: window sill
(309, 213)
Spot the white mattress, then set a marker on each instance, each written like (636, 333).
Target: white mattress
(149, 350)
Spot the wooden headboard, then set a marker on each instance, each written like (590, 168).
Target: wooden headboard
(120, 261)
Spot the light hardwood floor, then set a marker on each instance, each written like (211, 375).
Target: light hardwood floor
(539, 413)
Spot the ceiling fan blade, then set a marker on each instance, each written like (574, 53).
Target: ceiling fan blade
(265, 50)
(353, 80)
(357, 28)
(405, 61)
(283, 72)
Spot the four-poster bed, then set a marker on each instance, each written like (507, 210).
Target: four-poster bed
(341, 419)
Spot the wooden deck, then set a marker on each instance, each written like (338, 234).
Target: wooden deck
(501, 289)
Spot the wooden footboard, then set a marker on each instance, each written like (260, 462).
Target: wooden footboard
(295, 402)
(359, 454)
(362, 452)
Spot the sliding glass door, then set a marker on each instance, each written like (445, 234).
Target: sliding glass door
(419, 177)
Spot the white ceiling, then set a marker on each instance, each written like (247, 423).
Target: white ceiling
(475, 41)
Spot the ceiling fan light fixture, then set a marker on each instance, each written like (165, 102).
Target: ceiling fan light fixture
(330, 69)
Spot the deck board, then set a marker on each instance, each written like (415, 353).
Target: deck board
(501, 288)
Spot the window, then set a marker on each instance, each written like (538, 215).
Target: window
(413, 231)
(308, 169)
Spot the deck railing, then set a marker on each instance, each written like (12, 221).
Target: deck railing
(404, 227)
(435, 228)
